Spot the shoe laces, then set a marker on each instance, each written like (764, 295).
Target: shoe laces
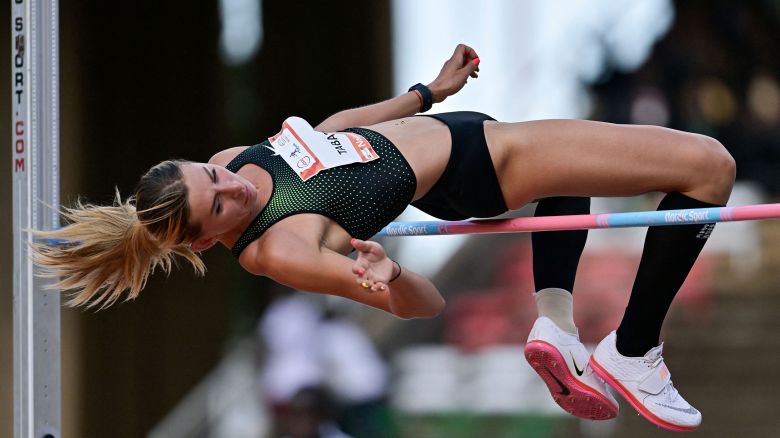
(672, 392)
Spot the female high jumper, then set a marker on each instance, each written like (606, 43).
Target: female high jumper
(294, 207)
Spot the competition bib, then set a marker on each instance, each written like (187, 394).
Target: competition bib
(308, 151)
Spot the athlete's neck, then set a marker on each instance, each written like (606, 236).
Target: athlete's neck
(263, 184)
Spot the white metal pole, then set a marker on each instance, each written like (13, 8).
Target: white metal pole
(35, 162)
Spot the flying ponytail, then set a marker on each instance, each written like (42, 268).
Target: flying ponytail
(106, 250)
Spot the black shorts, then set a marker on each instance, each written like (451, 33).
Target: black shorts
(469, 185)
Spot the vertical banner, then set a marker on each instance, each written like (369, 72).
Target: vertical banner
(35, 162)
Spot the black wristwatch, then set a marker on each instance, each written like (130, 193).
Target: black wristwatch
(427, 96)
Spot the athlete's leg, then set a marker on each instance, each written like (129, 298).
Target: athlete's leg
(554, 349)
(556, 255)
(613, 160)
(668, 255)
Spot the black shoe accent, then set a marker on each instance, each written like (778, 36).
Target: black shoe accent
(564, 390)
(576, 368)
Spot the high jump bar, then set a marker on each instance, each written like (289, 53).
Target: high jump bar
(584, 221)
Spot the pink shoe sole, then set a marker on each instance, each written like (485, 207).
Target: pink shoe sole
(572, 395)
(649, 416)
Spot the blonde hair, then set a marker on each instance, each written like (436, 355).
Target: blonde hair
(106, 250)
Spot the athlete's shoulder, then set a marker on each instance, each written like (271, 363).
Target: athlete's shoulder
(223, 157)
(251, 259)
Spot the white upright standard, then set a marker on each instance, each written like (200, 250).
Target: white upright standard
(35, 163)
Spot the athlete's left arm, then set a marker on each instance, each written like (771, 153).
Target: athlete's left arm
(464, 63)
(300, 263)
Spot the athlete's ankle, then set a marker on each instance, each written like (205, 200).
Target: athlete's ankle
(636, 345)
(558, 305)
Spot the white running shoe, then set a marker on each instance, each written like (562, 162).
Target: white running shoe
(561, 361)
(645, 382)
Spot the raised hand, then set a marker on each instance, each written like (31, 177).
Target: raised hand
(464, 63)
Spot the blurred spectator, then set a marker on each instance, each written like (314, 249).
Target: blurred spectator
(309, 414)
(307, 348)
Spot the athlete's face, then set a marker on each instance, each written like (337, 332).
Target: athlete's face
(222, 202)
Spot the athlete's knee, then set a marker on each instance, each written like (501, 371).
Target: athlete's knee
(723, 166)
(717, 168)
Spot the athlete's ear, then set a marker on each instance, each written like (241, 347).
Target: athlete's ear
(203, 244)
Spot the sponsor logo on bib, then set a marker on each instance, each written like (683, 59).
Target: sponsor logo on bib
(309, 152)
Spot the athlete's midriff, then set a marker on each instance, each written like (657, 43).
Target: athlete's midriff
(424, 142)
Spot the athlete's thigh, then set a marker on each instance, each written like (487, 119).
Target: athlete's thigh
(585, 158)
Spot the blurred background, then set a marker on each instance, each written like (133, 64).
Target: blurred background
(232, 355)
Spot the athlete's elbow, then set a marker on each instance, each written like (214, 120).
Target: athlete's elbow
(435, 307)
(430, 310)
(438, 307)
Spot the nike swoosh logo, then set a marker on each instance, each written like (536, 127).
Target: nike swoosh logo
(564, 390)
(690, 410)
(576, 368)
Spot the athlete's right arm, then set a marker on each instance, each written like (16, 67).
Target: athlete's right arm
(463, 63)
(305, 265)
(405, 105)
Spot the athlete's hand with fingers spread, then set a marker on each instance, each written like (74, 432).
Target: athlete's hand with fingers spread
(463, 64)
(372, 268)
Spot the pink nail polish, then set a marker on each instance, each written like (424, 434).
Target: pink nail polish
(475, 61)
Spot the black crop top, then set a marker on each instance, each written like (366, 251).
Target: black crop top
(362, 198)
